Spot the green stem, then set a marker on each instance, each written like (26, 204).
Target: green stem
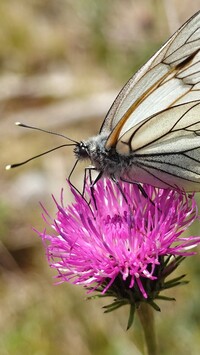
(146, 316)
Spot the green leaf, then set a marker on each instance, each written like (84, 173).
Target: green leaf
(154, 305)
(165, 298)
(176, 284)
(113, 306)
(175, 279)
(116, 304)
(131, 316)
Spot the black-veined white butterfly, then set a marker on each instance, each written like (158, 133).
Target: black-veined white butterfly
(151, 133)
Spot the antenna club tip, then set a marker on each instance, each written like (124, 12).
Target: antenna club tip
(17, 123)
(8, 167)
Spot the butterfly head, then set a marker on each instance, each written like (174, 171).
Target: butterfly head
(102, 159)
(81, 151)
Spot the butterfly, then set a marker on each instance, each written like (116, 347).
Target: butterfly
(151, 134)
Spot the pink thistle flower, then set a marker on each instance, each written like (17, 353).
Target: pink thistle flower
(120, 246)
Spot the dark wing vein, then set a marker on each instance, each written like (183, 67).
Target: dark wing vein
(177, 55)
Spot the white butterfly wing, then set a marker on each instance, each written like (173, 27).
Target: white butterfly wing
(155, 120)
(164, 150)
(169, 78)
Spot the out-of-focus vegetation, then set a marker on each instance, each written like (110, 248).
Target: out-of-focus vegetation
(61, 63)
(37, 35)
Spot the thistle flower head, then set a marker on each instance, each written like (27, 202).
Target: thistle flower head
(121, 244)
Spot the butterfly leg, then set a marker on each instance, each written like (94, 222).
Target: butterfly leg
(113, 178)
(75, 188)
(69, 179)
(98, 177)
(88, 172)
(140, 187)
(71, 172)
(84, 181)
(142, 190)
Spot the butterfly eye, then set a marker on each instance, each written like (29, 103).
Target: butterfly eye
(81, 150)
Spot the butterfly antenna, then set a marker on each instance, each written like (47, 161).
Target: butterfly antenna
(74, 143)
(8, 167)
(45, 131)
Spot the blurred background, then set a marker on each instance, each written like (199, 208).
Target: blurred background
(62, 62)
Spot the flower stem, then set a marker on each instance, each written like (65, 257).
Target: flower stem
(146, 316)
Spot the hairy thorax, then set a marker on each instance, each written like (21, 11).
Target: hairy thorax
(107, 161)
